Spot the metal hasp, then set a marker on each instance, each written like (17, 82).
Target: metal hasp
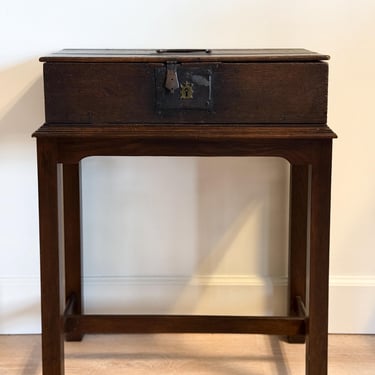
(171, 78)
(183, 86)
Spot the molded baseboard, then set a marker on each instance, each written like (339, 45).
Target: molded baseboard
(352, 301)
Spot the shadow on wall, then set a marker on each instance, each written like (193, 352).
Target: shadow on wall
(23, 319)
(21, 99)
(236, 215)
(202, 234)
(21, 113)
(242, 208)
(242, 221)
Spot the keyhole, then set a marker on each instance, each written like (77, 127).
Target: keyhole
(186, 91)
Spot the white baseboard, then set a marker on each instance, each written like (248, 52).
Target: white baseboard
(223, 294)
(19, 305)
(352, 304)
(352, 299)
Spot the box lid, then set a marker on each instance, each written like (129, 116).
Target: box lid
(184, 55)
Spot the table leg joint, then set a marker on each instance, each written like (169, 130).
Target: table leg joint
(71, 326)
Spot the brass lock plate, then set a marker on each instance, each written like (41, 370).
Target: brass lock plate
(183, 86)
(186, 90)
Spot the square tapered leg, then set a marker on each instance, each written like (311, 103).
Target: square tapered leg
(50, 261)
(318, 261)
(299, 211)
(72, 240)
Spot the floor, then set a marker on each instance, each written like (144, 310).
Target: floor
(181, 354)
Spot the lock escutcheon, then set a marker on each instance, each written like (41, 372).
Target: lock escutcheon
(186, 90)
(183, 86)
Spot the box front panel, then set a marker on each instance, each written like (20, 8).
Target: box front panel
(131, 93)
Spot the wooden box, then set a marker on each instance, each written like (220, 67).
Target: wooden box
(186, 87)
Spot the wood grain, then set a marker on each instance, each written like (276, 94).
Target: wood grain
(298, 239)
(184, 324)
(72, 238)
(151, 55)
(186, 131)
(50, 260)
(125, 93)
(265, 103)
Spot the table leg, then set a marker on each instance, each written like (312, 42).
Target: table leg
(72, 240)
(299, 202)
(50, 259)
(318, 259)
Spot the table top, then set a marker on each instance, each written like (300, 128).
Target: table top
(184, 55)
(174, 132)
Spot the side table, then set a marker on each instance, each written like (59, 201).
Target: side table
(67, 137)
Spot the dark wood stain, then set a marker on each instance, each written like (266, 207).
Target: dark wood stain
(244, 93)
(265, 103)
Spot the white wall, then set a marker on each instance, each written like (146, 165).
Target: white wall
(194, 234)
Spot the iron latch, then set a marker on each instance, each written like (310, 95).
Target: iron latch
(183, 86)
(171, 78)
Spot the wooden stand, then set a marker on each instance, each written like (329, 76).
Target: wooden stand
(308, 150)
